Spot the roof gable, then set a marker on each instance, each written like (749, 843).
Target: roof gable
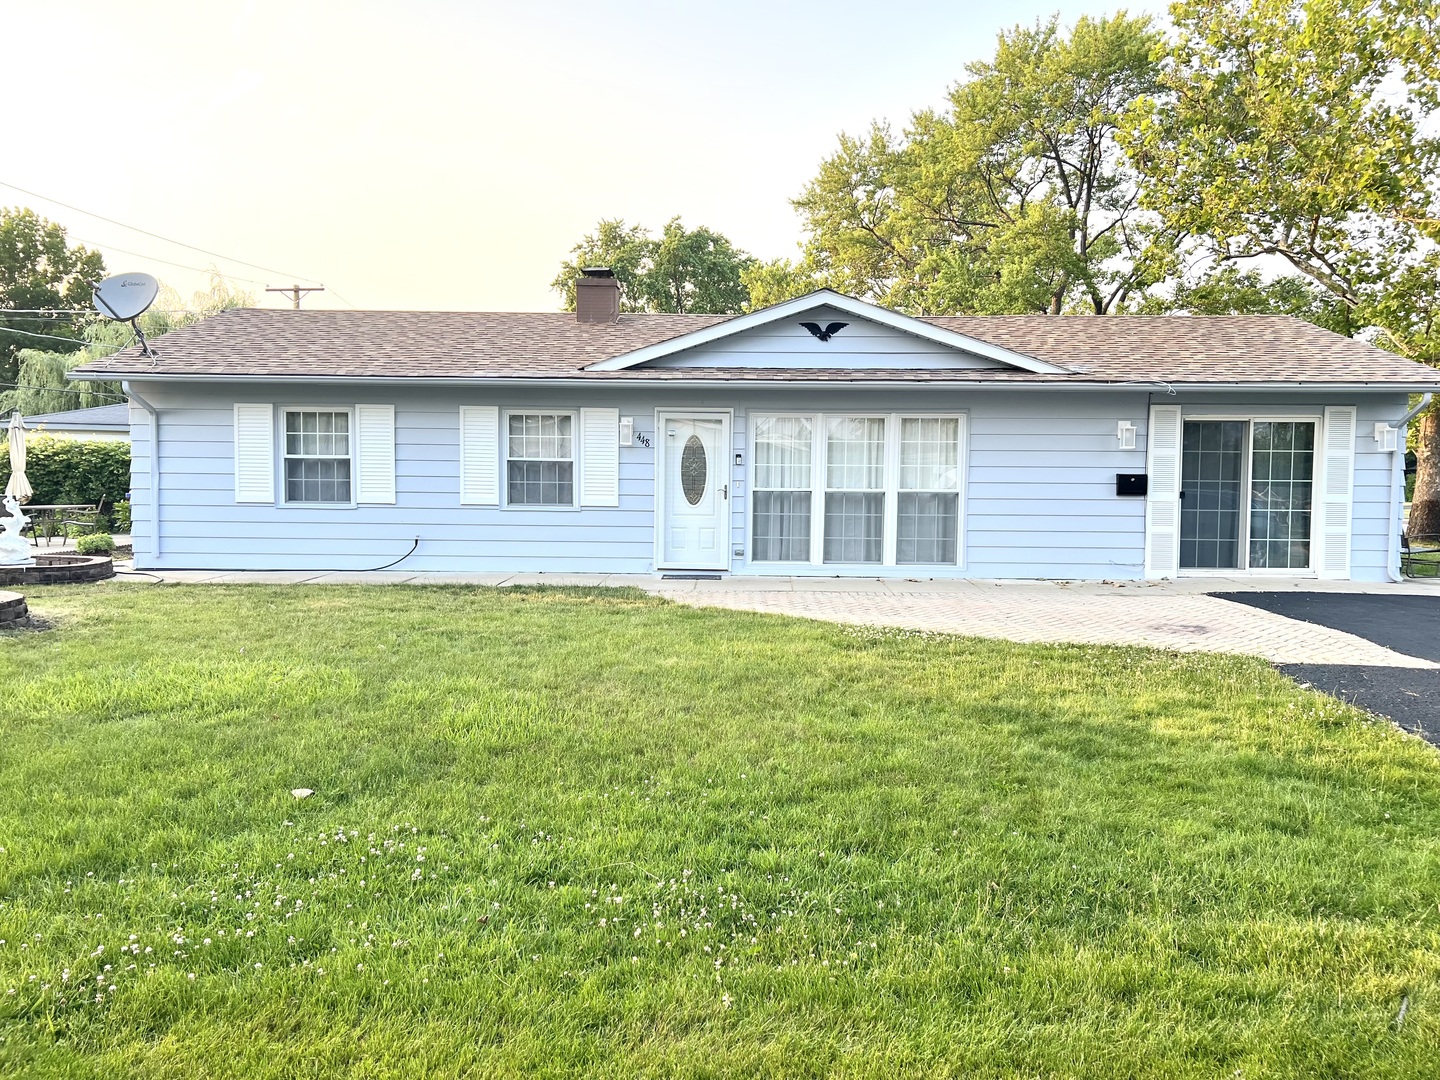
(828, 330)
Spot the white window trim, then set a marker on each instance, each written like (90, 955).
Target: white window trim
(892, 488)
(282, 457)
(576, 460)
(1317, 464)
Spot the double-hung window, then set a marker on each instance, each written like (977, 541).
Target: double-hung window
(784, 447)
(540, 459)
(854, 489)
(927, 528)
(318, 465)
(858, 490)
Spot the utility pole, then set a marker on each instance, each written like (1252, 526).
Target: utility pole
(296, 290)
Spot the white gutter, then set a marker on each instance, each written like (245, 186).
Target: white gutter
(1397, 487)
(154, 468)
(621, 383)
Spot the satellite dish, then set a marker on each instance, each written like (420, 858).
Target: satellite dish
(126, 296)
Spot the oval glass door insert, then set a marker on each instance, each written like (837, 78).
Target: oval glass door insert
(693, 468)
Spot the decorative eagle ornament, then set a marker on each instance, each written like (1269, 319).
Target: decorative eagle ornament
(826, 334)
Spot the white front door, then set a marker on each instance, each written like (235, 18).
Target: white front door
(694, 503)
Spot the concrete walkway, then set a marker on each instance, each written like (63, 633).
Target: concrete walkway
(1169, 615)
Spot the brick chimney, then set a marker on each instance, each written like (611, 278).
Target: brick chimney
(597, 295)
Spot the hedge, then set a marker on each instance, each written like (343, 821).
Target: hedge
(74, 470)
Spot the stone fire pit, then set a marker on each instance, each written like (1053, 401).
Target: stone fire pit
(12, 609)
(66, 568)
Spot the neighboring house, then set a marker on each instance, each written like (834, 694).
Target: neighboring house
(104, 423)
(820, 436)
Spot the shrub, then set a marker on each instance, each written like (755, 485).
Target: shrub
(74, 470)
(95, 544)
(120, 517)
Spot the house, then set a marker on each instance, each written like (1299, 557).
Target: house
(104, 423)
(820, 436)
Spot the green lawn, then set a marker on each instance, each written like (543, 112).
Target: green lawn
(570, 832)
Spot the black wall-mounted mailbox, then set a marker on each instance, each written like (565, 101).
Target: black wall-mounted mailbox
(1131, 483)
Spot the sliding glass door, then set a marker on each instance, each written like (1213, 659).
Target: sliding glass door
(1246, 494)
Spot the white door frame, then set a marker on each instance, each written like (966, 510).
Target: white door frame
(1251, 419)
(723, 473)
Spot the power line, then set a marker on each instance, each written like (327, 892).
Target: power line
(5, 313)
(167, 262)
(70, 341)
(64, 390)
(51, 337)
(157, 236)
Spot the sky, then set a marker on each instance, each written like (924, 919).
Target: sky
(445, 156)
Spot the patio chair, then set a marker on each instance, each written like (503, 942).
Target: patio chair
(87, 519)
(1420, 555)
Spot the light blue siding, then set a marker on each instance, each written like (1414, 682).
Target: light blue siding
(862, 344)
(1040, 492)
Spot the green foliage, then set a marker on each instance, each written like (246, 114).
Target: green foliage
(684, 271)
(1017, 198)
(776, 281)
(588, 833)
(74, 470)
(95, 544)
(120, 516)
(39, 270)
(1228, 290)
(1304, 131)
(1286, 129)
(45, 389)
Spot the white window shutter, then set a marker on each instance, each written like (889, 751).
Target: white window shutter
(1162, 501)
(600, 457)
(479, 455)
(1337, 489)
(375, 453)
(254, 453)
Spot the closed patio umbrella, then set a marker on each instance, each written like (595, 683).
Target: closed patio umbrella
(17, 485)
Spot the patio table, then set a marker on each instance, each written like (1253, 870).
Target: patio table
(50, 512)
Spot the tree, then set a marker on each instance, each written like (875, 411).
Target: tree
(1297, 131)
(42, 385)
(623, 248)
(1016, 198)
(698, 271)
(776, 281)
(1227, 290)
(40, 273)
(694, 271)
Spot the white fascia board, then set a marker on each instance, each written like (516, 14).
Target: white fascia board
(1072, 383)
(828, 297)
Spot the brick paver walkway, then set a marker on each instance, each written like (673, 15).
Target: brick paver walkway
(1099, 615)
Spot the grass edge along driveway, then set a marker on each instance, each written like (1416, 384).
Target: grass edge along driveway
(568, 831)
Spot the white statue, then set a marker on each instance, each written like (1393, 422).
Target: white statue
(14, 550)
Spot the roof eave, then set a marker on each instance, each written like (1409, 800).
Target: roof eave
(1069, 383)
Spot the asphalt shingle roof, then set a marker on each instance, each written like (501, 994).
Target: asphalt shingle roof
(540, 345)
(101, 416)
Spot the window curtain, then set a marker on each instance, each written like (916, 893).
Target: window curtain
(854, 510)
(783, 451)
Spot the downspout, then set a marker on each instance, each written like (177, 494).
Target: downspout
(1397, 486)
(154, 468)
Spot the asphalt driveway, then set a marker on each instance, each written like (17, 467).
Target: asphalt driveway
(1403, 624)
